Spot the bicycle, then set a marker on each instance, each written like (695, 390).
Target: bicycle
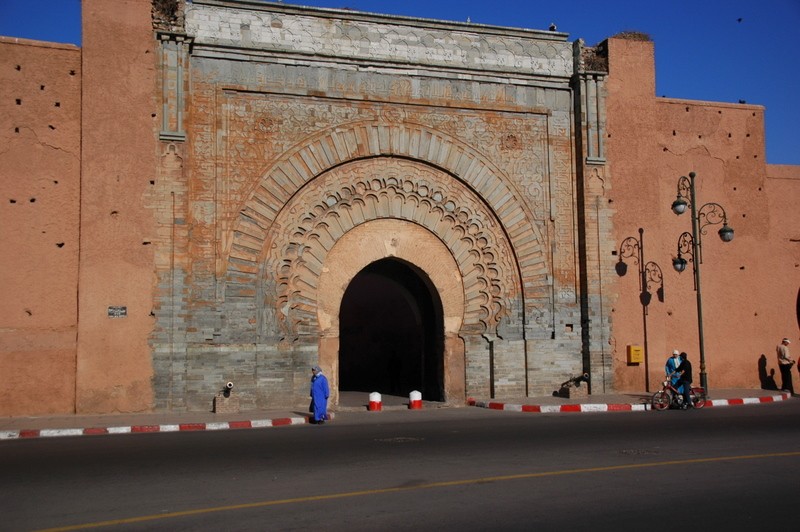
(669, 396)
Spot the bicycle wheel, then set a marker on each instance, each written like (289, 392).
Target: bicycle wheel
(699, 397)
(661, 400)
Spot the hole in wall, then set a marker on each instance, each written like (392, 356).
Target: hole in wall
(32, 200)
(19, 67)
(12, 201)
(51, 126)
(19, 101)
(146, 243)
(60, 244)
(16, 130)
(71, 72)
(28, 312)
(748, 135)
(41, 87)
(58, 104)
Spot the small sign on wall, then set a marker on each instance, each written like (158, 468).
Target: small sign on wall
(117, 312)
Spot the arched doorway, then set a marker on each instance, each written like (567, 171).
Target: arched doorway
(391, 332)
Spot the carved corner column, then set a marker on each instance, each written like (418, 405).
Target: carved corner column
(169, 201)
(594, 213)
(174, 63)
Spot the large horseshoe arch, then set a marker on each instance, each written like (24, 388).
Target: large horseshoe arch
(375, 209)
(408, 242)
(305, 204)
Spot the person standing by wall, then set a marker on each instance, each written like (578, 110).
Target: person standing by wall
(671, 367)
(685, 380)
(319, 395)
(785, 363)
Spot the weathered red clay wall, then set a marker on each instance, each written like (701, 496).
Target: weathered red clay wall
(40, 99)
(749, 286)
(77, 178)
(118, 169)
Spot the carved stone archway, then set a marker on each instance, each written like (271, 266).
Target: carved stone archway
(388, 207)
(398, 140)
(378, 239)
(388, 188)
(346, 176)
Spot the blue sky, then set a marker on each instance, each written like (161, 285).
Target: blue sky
(714, 50)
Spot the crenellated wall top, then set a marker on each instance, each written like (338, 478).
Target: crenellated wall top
(316, 34)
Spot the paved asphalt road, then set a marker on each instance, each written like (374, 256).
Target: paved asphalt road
(448, 469)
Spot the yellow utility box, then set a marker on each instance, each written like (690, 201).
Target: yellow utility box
(635, 354)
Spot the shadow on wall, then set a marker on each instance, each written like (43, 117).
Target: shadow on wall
(767, 380)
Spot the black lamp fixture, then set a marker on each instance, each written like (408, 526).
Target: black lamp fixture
(690, 245)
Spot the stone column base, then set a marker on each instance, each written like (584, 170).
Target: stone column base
(226, 405)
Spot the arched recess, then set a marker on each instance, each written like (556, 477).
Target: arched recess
(387, 188)
(379, 239)
(391, 332)
(387, 140)
(403, 194)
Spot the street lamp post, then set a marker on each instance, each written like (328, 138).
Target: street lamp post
(690, 245)
(650, 276)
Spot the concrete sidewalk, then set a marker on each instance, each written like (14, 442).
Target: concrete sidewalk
(350, 402)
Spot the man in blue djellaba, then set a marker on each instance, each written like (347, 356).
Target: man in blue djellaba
(319, 396)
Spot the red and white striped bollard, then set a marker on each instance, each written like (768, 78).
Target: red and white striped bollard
(415, 400)
(375, 402)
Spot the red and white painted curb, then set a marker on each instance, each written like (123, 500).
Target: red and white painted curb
(278, 422)
(749, 400)
(132, 429)
(616, 407)
(545, 409)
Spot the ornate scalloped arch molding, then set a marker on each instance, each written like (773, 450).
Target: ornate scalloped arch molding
(353, 194)
(335, 147)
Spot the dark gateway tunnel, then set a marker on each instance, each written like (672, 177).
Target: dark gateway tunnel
(391, 335)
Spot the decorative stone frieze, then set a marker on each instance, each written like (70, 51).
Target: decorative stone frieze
(359, 38)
